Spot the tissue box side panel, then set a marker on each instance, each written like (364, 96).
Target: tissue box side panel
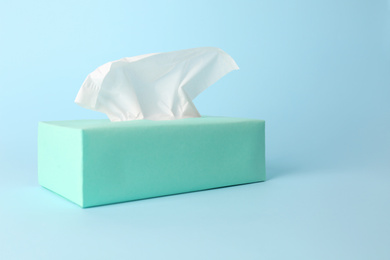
(123, 164)
(60, 161)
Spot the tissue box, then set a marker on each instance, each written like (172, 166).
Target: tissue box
(97, 162)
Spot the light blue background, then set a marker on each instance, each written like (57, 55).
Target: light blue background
(318, 72)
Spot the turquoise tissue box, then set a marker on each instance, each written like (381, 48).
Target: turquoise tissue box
(98, 162)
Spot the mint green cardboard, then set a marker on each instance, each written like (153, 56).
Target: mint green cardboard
(97, 162)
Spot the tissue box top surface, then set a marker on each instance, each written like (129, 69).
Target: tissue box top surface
(105, 123)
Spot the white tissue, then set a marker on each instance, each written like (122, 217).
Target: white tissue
(156, 86)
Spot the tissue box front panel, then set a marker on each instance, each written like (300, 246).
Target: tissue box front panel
(133, 160)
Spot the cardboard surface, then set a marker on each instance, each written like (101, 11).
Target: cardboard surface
(97, 162)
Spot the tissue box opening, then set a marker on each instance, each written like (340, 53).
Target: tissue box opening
(97, 162)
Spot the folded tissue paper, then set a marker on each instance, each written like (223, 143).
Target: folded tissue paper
(98, 162)
(157, 86)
